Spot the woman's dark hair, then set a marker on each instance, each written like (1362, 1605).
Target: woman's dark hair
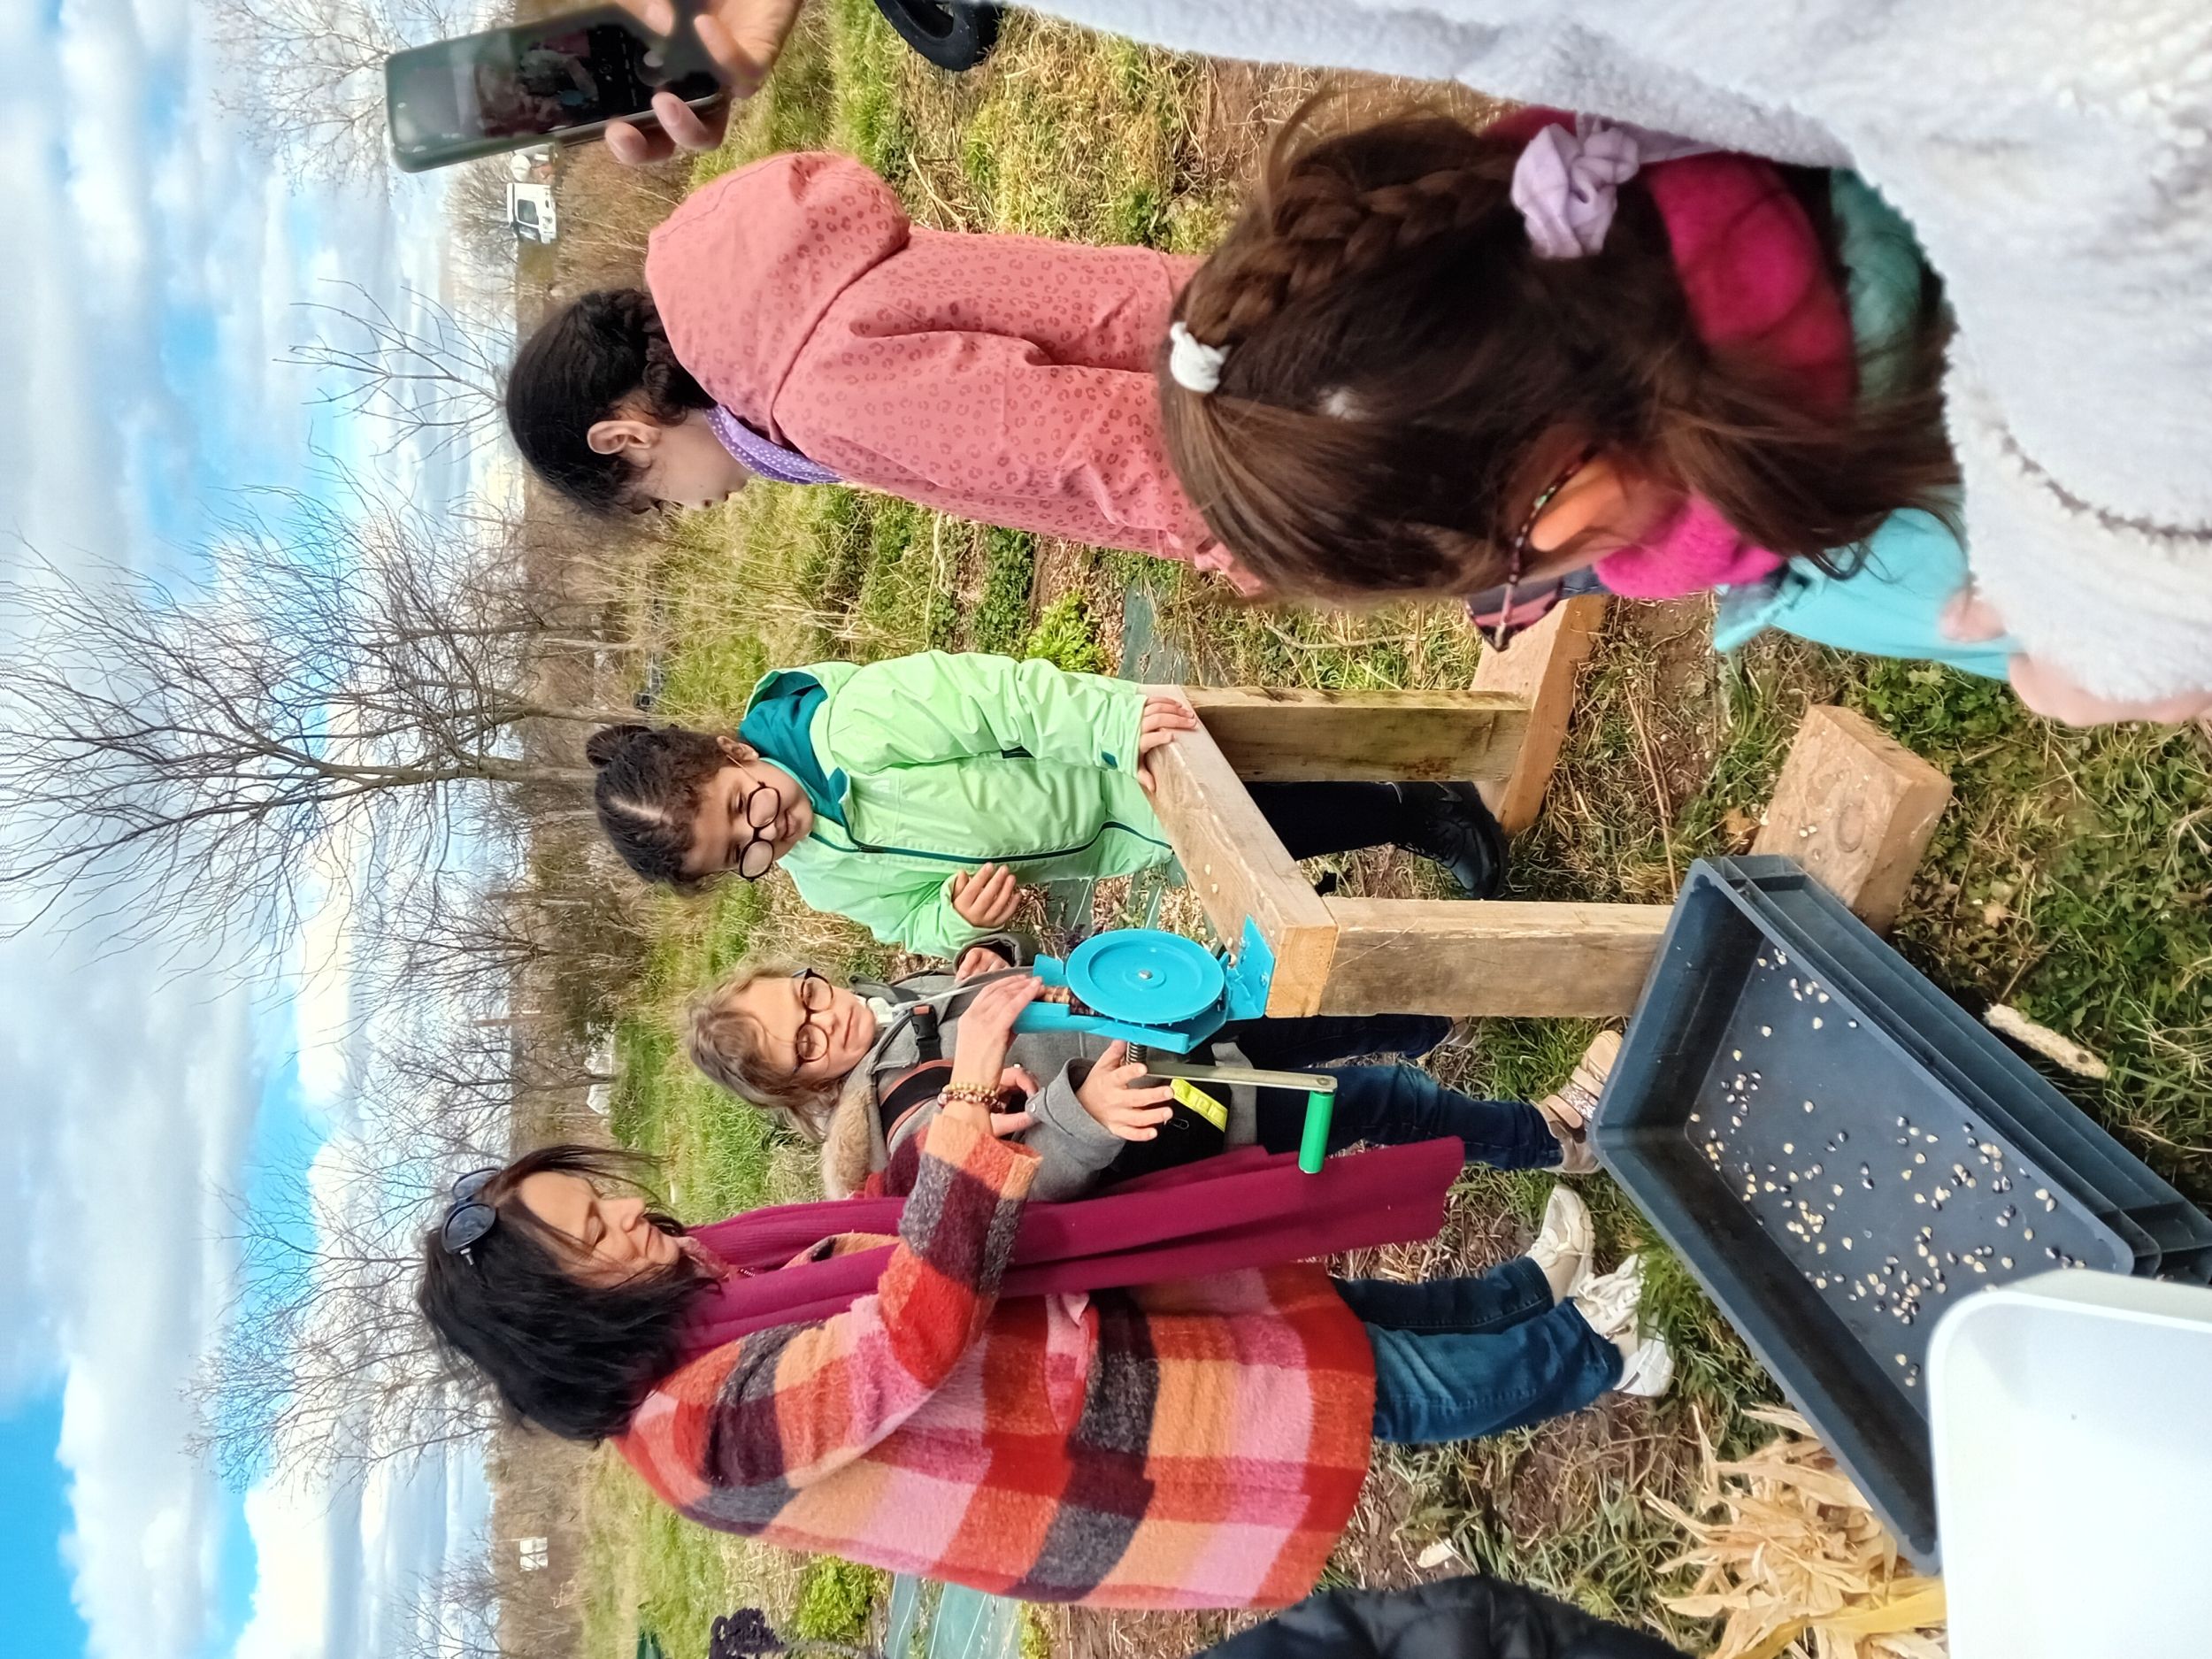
(598, 357)
(574, 1358)
(648, 792)
(1404, 375)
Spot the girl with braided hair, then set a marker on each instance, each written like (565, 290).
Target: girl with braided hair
(1554, 355)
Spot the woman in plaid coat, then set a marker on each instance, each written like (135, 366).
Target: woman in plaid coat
(1173, 1445)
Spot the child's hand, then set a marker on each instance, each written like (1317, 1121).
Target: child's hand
(1114, 1094)
(1164, 717)
(978, 960)
(985, 896)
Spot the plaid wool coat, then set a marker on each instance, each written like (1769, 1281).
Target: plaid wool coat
(1173, 1446)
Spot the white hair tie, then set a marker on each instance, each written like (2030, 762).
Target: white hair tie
(1196, 366)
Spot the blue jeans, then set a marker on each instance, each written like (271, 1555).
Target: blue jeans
(1457, 1359)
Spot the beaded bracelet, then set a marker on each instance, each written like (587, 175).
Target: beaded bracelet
(970, 1094)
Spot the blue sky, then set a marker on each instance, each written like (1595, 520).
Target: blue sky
(41, 1616)
(156, 267)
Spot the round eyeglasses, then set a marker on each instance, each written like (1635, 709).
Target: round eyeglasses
(763, 804)
(811, 1041)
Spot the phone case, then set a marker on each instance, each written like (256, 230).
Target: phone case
(435, 96)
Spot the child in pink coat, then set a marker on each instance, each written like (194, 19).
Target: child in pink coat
(800, 328)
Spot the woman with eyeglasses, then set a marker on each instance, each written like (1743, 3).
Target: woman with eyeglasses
(919, 795)
(858, 1069)
(923, 1395)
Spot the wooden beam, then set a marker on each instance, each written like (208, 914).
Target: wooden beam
(1538, 667)
(1299, 736)
(1856, 808)
(1239, 868)
(1497, 957)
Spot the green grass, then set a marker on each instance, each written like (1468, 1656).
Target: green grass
(2070, 876)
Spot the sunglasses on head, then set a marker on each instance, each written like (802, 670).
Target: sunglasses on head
(467, 1217)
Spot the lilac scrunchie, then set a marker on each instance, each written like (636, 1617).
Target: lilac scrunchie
(1566, 183)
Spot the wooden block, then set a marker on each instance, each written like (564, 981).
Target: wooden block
(1239, 867)
(1496, 957)
(1298, 736)
(1855, 807)
(1538, 667)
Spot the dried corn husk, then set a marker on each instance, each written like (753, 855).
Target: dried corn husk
(1791, 1556)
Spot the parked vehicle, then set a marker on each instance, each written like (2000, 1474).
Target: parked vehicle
(530, 211)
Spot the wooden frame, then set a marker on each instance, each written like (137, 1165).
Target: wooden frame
(1854, 805)
(1405, 955)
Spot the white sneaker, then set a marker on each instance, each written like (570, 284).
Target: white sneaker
(1564, 1242)
(1613, 1302)
(1610, 1300)
(1647, 1371)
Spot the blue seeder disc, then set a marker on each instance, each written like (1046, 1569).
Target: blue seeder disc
(1145, 978)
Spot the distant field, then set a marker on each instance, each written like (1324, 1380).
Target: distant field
(2069, 878)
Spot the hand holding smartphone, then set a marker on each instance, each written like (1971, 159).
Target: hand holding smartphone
(744, 37)
(580, 75)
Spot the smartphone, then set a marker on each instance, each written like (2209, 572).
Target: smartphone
(561, 77)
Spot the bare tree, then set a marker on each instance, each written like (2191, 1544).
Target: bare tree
(309, 74)
(350, 707)
(570, 920)
(427, 372)
(326, 1366)
(477, 224)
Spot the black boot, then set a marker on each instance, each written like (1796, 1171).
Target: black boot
(1448, 822)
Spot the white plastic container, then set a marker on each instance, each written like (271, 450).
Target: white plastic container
(2072, 1425)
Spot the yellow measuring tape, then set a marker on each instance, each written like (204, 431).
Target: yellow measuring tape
(1204, 1104)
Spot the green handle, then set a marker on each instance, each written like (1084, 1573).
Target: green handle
(1313, 1148)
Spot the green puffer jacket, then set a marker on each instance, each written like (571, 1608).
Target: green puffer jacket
(939, 763)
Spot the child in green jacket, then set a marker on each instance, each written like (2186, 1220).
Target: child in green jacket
(917, 796)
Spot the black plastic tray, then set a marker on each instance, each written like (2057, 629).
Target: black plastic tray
(2180, 1233)
(1719, 1015)
(2075, 1164)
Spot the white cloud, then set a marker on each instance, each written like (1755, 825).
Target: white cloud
(134, 1102)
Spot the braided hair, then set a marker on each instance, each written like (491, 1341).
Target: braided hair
(1399, 375)
(601, 356)
(648, 792)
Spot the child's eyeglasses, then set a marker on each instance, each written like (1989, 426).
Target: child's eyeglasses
(763, 805)
(1517, 558)
(812, 1043)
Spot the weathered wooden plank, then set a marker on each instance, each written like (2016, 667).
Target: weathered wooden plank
(1302, 736)
(1239, 867)
(1497, 957)
(1856, 808)
(1538, 667)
